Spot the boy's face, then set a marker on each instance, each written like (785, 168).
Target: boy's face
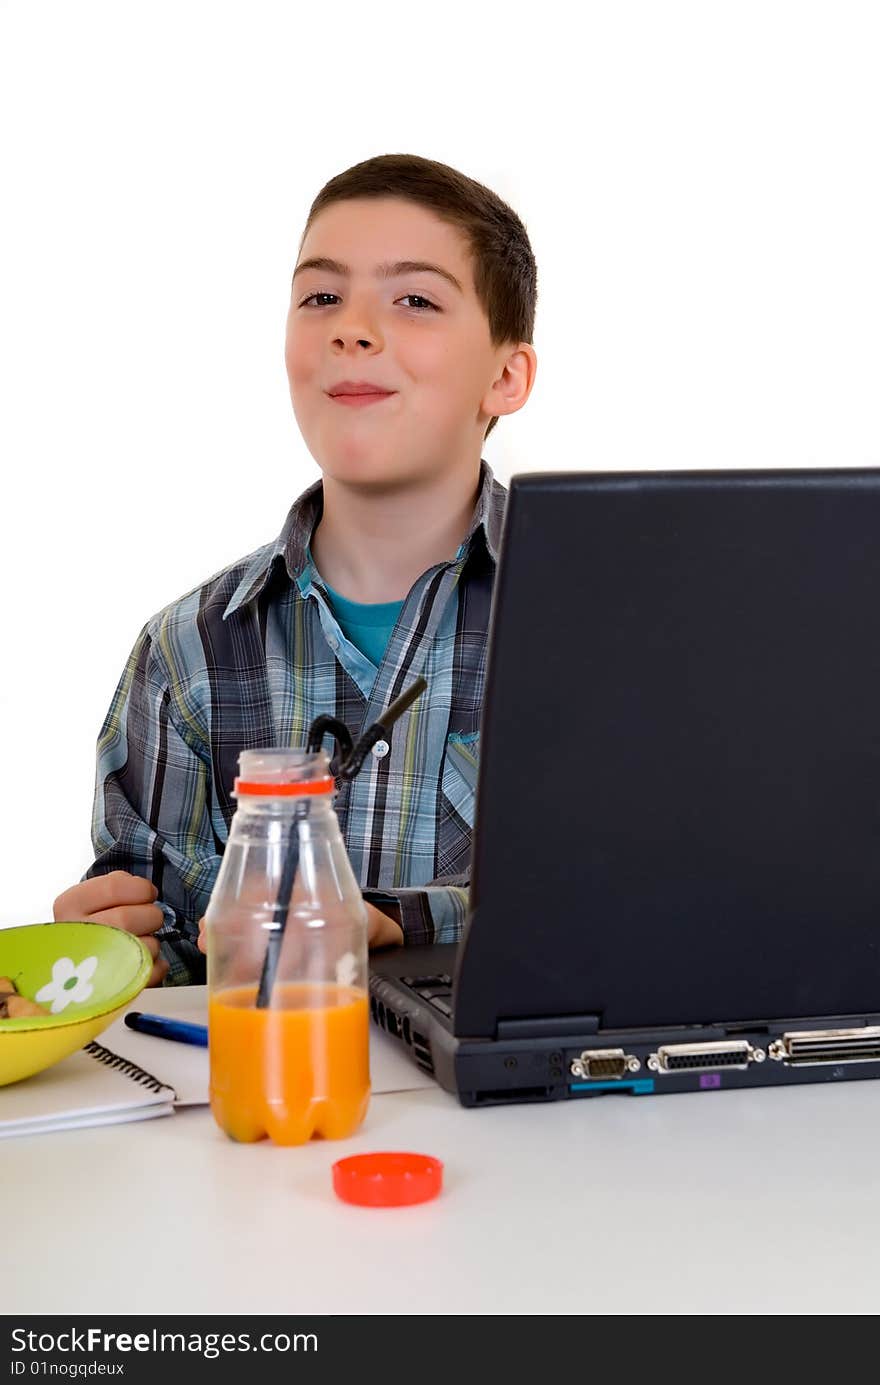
(414, 333)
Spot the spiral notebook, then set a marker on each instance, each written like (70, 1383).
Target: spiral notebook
(92, 1087)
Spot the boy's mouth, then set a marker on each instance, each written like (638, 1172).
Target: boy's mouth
(359, 389)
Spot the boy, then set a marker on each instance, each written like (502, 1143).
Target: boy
(409, 331)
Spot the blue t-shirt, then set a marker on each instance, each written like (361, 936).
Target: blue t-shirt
(367, 626)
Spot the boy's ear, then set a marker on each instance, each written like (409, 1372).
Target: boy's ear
(514, 383)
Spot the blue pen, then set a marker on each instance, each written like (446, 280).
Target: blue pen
(180, 1030)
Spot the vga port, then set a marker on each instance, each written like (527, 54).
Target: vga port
(811, 1047)
(604, 1064)
(705, 1057)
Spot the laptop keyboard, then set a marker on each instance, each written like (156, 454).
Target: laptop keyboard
(436, 990)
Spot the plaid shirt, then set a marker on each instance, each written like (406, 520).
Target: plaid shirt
(248, 660)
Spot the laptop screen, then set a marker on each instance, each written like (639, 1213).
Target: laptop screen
(678, 802)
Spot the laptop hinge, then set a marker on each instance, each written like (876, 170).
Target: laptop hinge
(548, 1027)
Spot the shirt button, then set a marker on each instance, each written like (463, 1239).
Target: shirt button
(381, 749)
(333, 642)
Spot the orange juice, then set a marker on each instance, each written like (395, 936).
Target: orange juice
(296, 1069)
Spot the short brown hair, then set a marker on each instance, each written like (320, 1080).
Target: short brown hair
(505, 273)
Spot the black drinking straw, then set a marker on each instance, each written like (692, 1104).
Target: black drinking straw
(351, 760)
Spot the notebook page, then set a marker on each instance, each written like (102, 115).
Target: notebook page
(184, 1067)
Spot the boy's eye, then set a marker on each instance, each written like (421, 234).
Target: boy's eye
(426, 301)
(415, 296)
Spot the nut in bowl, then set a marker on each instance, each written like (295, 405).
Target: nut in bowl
(78, 977)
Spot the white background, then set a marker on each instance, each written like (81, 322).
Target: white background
(699, 182)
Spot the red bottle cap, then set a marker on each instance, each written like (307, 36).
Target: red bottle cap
(387, 1179)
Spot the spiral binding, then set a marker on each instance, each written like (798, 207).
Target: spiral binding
(126, 1067)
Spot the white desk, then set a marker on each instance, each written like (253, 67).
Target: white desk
(747, 1202)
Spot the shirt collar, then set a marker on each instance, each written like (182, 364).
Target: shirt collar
(292, 543)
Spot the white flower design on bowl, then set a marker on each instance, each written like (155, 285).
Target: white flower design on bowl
(69, 983)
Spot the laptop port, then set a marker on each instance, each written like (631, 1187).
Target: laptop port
(422, 1051)
(811, 1047)
(708, 1057)
(604, 1064)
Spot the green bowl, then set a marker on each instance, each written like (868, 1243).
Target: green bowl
(83, 973)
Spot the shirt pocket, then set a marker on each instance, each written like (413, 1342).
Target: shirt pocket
(457, 798)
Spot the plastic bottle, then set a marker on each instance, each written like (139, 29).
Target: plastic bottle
(288, 1017)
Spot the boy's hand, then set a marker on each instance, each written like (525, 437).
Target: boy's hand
(124, 901)
(382, 931)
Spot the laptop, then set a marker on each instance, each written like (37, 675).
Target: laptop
(675, 871)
